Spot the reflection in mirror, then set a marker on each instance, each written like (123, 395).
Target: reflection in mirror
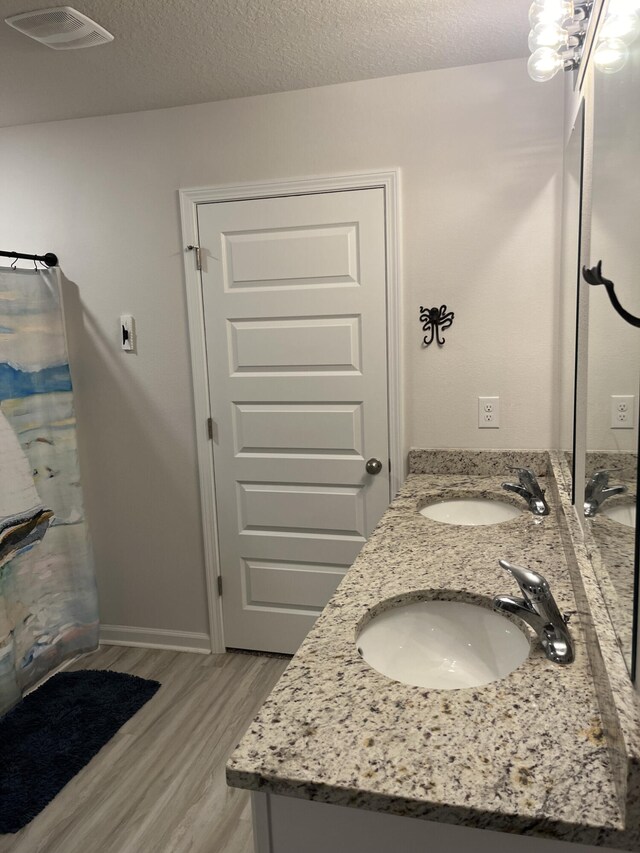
(569, 278)
(614, 345)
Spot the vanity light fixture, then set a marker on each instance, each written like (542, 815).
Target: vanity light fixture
(558, 29)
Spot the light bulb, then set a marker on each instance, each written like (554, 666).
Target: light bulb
(611, 56)
(550, 12)
(621, 26)
(544, 63)
(547, 35)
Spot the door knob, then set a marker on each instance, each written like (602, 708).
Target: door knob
(373, 466)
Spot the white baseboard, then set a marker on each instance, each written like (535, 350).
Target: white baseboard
(155, 638)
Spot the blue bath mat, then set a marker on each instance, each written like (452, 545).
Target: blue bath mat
(53, 732)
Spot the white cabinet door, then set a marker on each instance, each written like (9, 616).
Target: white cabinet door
(295, 318)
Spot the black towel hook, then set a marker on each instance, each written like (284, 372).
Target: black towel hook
(594, 276)
(434, 320)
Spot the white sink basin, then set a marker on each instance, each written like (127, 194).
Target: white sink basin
(470, 511)
(442, 644)
(622, 513)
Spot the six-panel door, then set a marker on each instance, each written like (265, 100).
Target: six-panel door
(295, 317)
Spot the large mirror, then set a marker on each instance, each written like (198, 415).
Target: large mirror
(614, 345)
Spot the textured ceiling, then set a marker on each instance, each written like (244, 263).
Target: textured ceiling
(174, 52)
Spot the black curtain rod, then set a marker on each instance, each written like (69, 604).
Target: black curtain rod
(49, 259)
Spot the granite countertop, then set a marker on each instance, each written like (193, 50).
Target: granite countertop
(526, 754)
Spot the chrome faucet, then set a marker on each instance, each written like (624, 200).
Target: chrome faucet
(597, 491)
(530, 490)
(539, 610)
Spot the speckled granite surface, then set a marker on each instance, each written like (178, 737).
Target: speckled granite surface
(476, 463)
(526, 754)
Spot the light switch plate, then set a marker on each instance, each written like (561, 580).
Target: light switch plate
(127, 333)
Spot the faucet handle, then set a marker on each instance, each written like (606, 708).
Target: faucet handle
(528, 479)
(534, 586)
(519, 469)
(602, 474)
(619, 470)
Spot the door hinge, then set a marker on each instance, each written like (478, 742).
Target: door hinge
(389, 466)
(196, 249)
(210, 427)
(220, 585)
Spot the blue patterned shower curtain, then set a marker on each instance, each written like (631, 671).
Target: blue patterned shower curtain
(48, 601)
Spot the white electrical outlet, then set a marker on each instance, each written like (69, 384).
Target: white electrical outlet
(622, 411)
(488, 412)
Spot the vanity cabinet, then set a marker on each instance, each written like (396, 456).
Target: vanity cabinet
(289, 825)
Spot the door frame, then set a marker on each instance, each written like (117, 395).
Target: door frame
(190, 198)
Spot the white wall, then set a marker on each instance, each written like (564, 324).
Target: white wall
(480, 152)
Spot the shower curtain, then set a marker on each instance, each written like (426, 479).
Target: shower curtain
(48, 601)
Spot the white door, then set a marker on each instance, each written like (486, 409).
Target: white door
(295, 319)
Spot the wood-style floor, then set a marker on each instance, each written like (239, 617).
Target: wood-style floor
(158, 786)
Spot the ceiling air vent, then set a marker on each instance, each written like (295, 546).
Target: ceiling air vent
(62, 28)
